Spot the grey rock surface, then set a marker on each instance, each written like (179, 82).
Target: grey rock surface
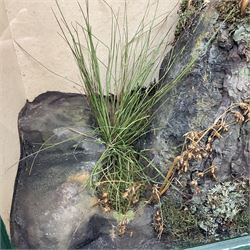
(52, 207)
(49, 201)
(220, 78)
(99, 234)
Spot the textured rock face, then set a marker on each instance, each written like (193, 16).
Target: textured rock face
(99, 234)
(52, 208)
(50, 200)
(220, 78)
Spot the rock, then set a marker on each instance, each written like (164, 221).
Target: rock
(219, 79)
(216, 82)
(52, 207)
(49, 202)
(100, 234)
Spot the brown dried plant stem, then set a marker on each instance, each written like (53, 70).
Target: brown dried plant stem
(219, 126)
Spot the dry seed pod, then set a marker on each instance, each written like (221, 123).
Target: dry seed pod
(106, 209)
(105, 195)
(105, 200)
(125, 195)
(185, 166)
(224, 126)
(200, 174)
(238, 117)
(216, 134)
(192, 136)
(196, 150)
(135, 200)
(209, 139)
(157, 219)
(209, 147)
(244, 106)
(185, 154)
(204, 154)
(158, 223)
(177, 161)
(213, 170)
(191, 146)
(122, 226)
(190, 156)
(181, 161)
(155, 194)
(121, 229)
(194, 183)
(157, 213)
(112, 233)
(198, 157)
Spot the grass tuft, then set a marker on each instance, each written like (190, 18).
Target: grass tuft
(119, 177)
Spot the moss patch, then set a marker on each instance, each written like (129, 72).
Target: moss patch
(216, 214)
(180, 225)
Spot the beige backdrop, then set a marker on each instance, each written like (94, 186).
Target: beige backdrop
(32, 25)
(12, 98)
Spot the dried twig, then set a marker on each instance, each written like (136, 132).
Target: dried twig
(199, 145)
